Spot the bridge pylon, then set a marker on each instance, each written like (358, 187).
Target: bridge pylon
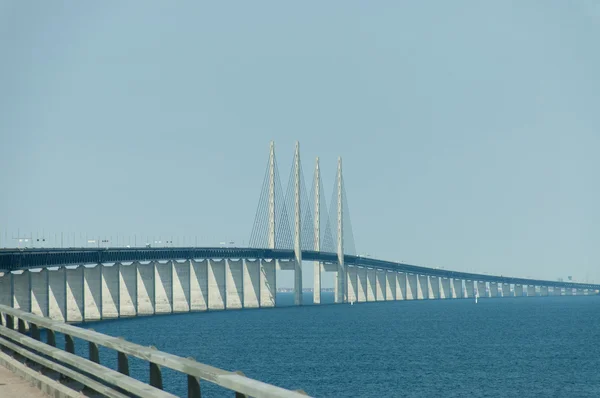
(297, 229)
(341, 281)
(317, 233)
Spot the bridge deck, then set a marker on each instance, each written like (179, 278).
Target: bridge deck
(18, 259)
(12, 385)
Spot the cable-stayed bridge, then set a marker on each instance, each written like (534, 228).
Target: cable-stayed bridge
(293, 226)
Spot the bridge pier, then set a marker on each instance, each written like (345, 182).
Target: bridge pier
(109, 279)
(234, 286)
(251, 283)
(530, 291)
(493, 289)
(422, 287)
(481, 289)
(579, 292)
(557, 291)
(39, 292)
(268, 283)
(362, 284)
(380, 285)
(518, 290)
(400, 286)
(470, 289)
(371, 282)
(412, 286)
(433, 288)
(445, 291)
(390, 285)
(506, 290)
(457, 288)
(127, 292)
(199, 285)
(544, 291)
(352, 284)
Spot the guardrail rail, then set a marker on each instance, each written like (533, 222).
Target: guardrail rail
(23, 339)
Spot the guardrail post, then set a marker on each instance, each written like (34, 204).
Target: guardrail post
(69, 344)
(122, 362)
(193, 385)
(35, 331)
(239, 394)
(155, 374)
(51, 337)
(21, 326)
(10, 321)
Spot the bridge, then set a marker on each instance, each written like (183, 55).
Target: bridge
(75, 285)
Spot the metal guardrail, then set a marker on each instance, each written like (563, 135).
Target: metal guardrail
(111, 383)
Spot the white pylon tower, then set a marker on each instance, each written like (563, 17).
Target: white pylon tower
(271, 210)
(340, 283)
(297, 229)
(317, 227)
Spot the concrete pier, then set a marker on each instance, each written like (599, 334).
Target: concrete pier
(506, 290)
(470, 289)
(433, 288)
(544, 291)
(362, 284)
(352, 274)
(412, 286)
(457, 289)
(422, 287)
(390, 285)
(400, 286)
(380, 285)
(371, 284)
(531, 291)
(481, 289)
(557, 291)
(518, 290)
(445, 290)
(493, 289)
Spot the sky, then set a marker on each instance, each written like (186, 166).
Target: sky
(469, 130)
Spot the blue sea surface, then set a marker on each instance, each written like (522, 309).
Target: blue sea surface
(504, 347)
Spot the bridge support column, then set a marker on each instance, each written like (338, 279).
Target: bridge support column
(163, 284)
(579, 292)
(317, 282)
(92, 292)
(433, 288)
(371, 282)
(469, 289)
(445, 290)
(568, 291)
(5, 292)
(422, 287)
(251, 279)
(457, 289)
(557, 291)
(57, 294)
(39, 292)
(110, 289)
(199, 285)
(216, 285)
(268, 287)
(481, 289)
(379, 285)
(390, 285)
(544, 291)
(145, 289)
(181, 286)
(412, 286)
(530, 291)
(400, 286)
(352, 284)
(506, 290)
(234, 286)
(493, 289)
(362, 284)
(518, 290)
(127, 289)
(21, 291)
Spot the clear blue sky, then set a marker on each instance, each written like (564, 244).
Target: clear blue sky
(470, 131)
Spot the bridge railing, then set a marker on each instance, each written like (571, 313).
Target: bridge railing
(26, 342)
